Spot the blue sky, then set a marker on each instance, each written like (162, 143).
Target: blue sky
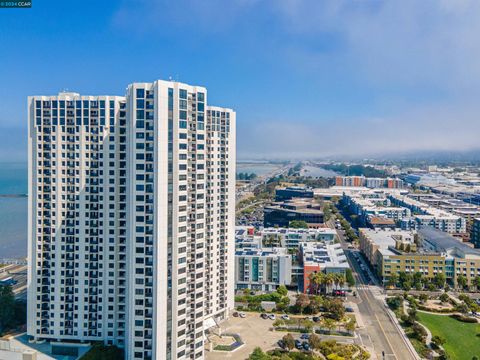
(306, 77)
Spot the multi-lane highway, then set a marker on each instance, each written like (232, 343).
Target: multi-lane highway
(379, 333)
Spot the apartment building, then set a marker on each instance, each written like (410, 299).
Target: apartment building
(131, 218)
(358, 181)
(262, 269)
(427, 251)
(426, 215)
(291, 238)
(321, 257)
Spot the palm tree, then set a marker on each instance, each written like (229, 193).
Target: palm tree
(317, 280)
(329, 281)
(341, 280)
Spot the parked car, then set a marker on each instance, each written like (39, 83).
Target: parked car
(281, 344)
(264, 316)
(316, 318)
(306, 347)
(305, 336)
(348, 309)
(271, 316)
(285, 317)
(242, 315)
(235, 314)
(338, 293)
(298, 344)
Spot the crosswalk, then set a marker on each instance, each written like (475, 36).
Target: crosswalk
(375, 290)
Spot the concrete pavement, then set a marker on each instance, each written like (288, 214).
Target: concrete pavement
(380, 334)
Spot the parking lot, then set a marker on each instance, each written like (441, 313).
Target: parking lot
(254, 332)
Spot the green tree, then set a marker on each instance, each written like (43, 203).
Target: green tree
(282, 290)
(314, 341)
(462, 281)
(258, 354)
(7, 308)
(440, 279)
(438, 340)
(298, 224)
(349, 277)
(350, 326)
(392, 280)
(302, 302)
(476, 282)
(444, 298)
(328, 324)
(327, 213)
(417, 280)
(289, 341)
(336, 309)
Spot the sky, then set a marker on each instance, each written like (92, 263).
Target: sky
(308, 78)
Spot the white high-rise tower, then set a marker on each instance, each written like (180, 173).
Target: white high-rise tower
(131, 218)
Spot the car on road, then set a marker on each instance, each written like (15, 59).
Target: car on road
(242, 315)
(271, 316)
(285, 317)
(264, 316)
(338, 293)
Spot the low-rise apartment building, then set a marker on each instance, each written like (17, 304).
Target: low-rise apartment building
(291, 238)
(321, 257)
(427, 251)
(262, 269)
(391, 183)
(426, 215)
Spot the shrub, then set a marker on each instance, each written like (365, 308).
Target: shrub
(462, 318)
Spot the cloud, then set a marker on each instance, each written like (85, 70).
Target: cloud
(418, 130)
(414, 62)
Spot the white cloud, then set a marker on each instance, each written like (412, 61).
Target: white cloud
(419, 60)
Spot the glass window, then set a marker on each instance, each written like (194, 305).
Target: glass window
(183, 115)
(140, 93)
(201, 96)
(140, 104)
(183, 94)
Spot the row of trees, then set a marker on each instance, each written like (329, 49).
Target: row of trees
(321, 283)
(418, 281)
(334, 308)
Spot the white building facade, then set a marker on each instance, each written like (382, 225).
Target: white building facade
(131, 218)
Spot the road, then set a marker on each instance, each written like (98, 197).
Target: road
(379, 333)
